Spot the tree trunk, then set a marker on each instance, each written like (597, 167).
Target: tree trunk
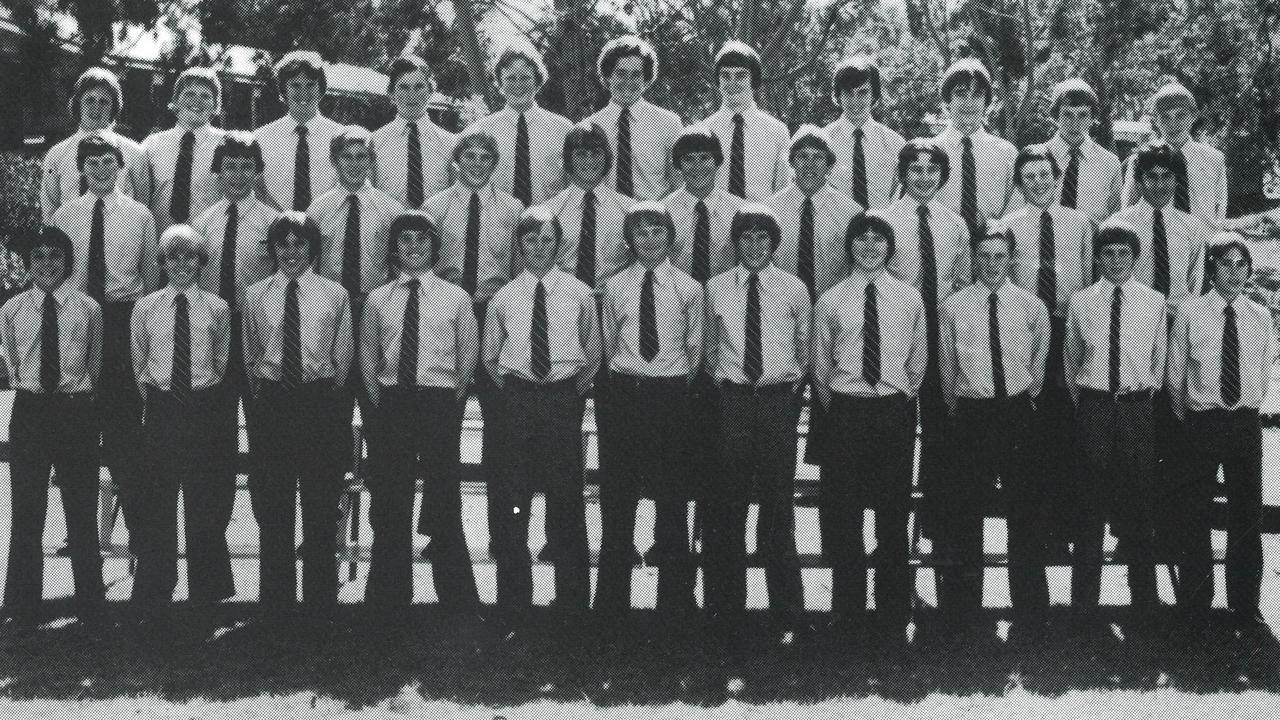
(464, 22)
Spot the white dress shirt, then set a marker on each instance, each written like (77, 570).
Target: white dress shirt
(253, 259)
(880, 148)
(678, 307)
(766, 145)
(837, 337)
(721, 207)
(832, 212)
(448, 344)
(1206, 181)
(391, 157)
(1194, 370)
(279, 142)
(161, 151)
(547, 131)
(499, 212)
(377, 210)
(993, 159)
(950, 242)
(152, 328)
(785, 319)
(1087, 347)
(324, 321)
(79, 339)
(60, 172)
(1186, 237)
(573, 332)
(965, 354)
(1098, 181)
(130, 250)
(611, 250)
(1072, 251)
(654, 132)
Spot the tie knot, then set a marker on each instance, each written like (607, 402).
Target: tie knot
(648, 277)
(293, 285)
(737, 119)
(967, 142)
(233, 210)
(413, 285)
(869, 290)
(624, 114)
(188, 137)
(51, 302)
(993, 299)
(857, 134)
(753, 278)
(412, 125)
(923, 211)
(353, 199)
(181, 300)
(589, 197)
(1075, 152)
(1118, 294)
(1230, 311)
(301, 130)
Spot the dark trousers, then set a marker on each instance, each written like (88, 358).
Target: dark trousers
(304, 437)
(56, 431)
(871, 467)
(178, 453)
(996, 437)
(1056, 457)
(936, 461)
(1117, 466)
(119, 407)
(758, 454)
(1231, 440)
(541, 448)
(420, 437)
(648, 460)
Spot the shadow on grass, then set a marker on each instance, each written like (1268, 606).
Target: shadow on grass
(650, 661)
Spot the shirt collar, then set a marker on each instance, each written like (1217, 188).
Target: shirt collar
(424, 124)
(662, 274)
(59, 293)
(742, 275)
(171, 293)
(952, 136)
(425, 279)
(110, 200)
(307, 274)
(463, 191)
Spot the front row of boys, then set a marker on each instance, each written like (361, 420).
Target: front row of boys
(875, 343)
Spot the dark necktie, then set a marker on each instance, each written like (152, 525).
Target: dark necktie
(180, 200)
(858, 171)
(929, 284)
(1113, 352)
(997, 354)
(1182, 193)
(648, 321)
(1159, 253)
(471, 253)
(50, 351)
(84, 184)
(291, 339)
(700, 265)
(871, 336)
(520, 185)
(302, 172)
(413, 173)
(1071, 180)
(1230, 359)
(227, 266)
(540, 351)
(407, 371)
(752, 356)
(587, 240)
(351, 248)
(97, 271)
(737, 166)
(625, 186)
(1047, 279)
(968, 184)
(180, 377)
(804, 248)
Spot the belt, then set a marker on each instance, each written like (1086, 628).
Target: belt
(770, 389)
(1020, 397)
(54, 396)
(1119, 397)
(641, 384)
(515, 382)
(314, 385)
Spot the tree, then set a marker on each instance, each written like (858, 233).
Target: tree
(95, 20)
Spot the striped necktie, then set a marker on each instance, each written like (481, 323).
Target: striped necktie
(291, 339)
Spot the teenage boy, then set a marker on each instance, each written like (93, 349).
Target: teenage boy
(757, 351)
(180, 159)
(652, 341)
(52, 338)
(981, 188)
(869, 357)
(412, 154)
(180, 338)
(1091, 175)
(640, 135)
(297, 352)
(542, 349)
(755, 142)
(866, 150)
(530, 167)
(295, 147)
(419, 349)
(95, 104)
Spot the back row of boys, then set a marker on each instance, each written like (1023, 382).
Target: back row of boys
(814, 183)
